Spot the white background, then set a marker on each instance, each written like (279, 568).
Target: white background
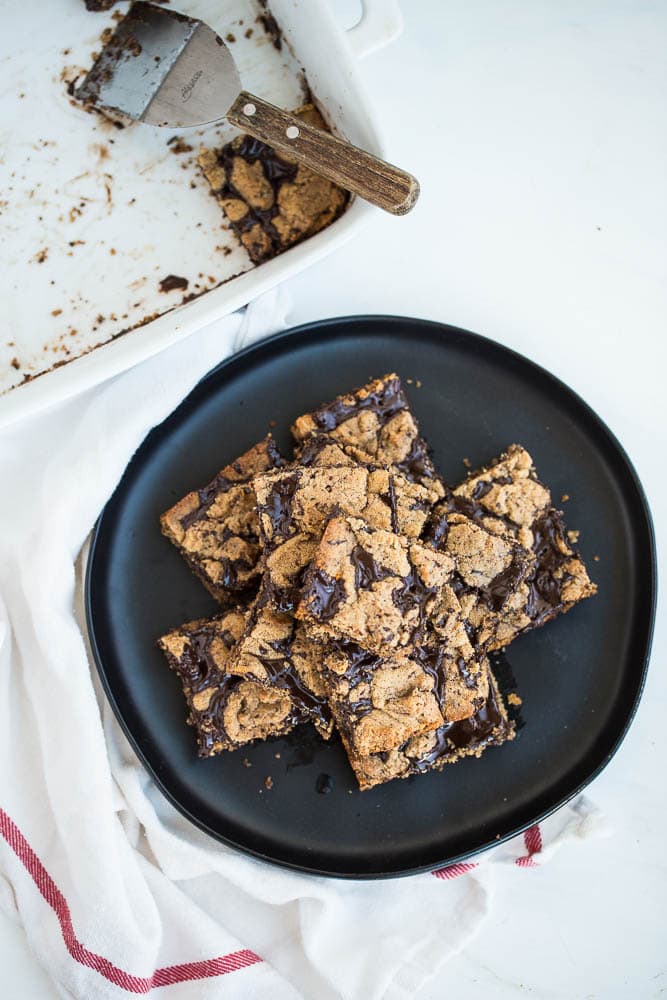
(537, 130)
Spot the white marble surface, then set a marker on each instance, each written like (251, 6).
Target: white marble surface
(537, 131)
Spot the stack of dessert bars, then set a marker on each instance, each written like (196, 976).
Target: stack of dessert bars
(362, 594)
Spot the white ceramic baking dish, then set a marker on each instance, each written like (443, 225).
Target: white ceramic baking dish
(95, 216)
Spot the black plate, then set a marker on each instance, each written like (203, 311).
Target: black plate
(580, 677)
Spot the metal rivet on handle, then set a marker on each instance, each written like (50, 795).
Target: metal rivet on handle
(292, 132)
(249, 109)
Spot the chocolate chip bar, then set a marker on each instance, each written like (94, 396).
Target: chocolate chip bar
(270, 200)
(216, 528)
(377, 420)
(490, 571)
(392, 596)
(294, 504)
(377, 703)
(227, 711)
(275, 651)
(488, 726)
(507, 497)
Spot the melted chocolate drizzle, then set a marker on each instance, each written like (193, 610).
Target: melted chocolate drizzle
(468, 679)
(473, 509)
(417, 464)
(385, 402)
(390, 500)
(366, 569)
(198, 671)
(430, 657)
(412, 593)
(196, 665)
(279, 503)
(481, 489)
(437, 528)
(222, 484)
(504, 584)
(286, 598)
(360, 667)
(545, 591)
(324, 595)
(306, 705)
(276, 171)
(485, 727)
(312, 448)
(495, 593)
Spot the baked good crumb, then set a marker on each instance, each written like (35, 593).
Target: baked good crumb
(377, 703)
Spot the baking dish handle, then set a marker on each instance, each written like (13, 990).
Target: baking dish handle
(380, 23)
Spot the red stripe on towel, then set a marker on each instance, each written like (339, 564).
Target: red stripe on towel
(533, 840)
(453, 871)
(167, 976)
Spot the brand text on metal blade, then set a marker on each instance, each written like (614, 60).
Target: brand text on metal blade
(186, 92)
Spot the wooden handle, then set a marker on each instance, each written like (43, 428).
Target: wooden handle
(348, 166)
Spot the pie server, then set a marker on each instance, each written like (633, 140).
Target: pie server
(163, 68)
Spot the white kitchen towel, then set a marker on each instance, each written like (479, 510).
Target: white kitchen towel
(118, 893)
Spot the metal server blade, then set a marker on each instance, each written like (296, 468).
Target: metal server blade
(163, 68)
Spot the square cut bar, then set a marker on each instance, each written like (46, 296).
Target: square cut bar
(505, 498)
(377, 703)
(270, 200)
(376, 419)
(490, 571)
(226, 710)
(432, 751)
(275, 652)
(216, 528)
(294, 505)
(393, 597)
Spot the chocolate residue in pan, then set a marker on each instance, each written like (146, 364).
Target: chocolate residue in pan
(177, 144)
(96, 5)
(30, 377)
(173, 282)
(271, 26)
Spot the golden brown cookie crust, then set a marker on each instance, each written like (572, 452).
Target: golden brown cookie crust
(272, 202)
(216, 528)
(226, 710)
